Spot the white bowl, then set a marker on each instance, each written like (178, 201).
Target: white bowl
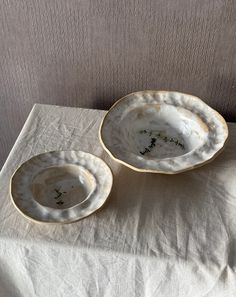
(162, 132)
(60, 186)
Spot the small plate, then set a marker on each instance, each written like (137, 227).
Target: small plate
(162, 132)
(60, 186)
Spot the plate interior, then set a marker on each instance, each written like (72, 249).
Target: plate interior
(161, 131)
(62, 187)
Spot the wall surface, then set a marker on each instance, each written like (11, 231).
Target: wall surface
(89, 53)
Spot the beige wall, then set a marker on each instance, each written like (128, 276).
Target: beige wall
(89, 53)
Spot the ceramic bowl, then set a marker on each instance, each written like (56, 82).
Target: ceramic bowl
(162, 132)
(61, 187)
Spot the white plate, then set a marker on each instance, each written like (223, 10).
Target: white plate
(61, 186)
(162, 132)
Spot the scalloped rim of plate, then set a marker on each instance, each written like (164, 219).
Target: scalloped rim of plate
(160, 171)
(50, 222)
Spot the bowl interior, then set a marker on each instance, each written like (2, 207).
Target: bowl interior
(158, 131)
(62, 187)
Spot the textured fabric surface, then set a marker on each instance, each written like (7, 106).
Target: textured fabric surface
(157, 235)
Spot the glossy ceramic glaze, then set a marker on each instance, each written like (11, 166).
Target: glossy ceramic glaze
(61, 187)
(161, 131)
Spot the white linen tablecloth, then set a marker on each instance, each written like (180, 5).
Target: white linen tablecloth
(157, 235)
